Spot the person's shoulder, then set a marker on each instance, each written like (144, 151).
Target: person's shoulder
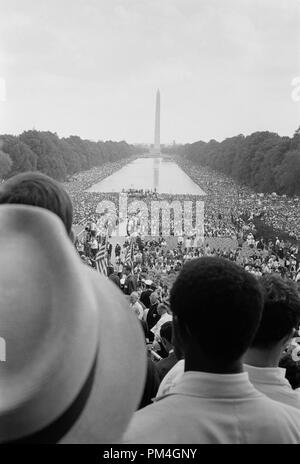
(287, 418)
(148, 425)
(281, 412)
(292, 398)
(171, 378)
(292, 411)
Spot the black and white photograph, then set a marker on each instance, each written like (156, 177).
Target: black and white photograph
(149, 225)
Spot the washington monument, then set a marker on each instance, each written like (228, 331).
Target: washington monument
(156, 148)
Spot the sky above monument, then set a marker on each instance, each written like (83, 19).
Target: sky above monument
(92, 67)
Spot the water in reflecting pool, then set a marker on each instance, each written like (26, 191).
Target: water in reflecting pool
(149, 173)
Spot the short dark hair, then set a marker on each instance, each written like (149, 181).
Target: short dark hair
(166, 331)
(128, 267)
(281, 311)
(37, 189)
(217, 306)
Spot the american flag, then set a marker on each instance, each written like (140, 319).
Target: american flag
(100, 259)
(129, 254)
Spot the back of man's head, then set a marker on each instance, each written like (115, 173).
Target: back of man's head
(134, 296)
(281, 312)
(162, 309)
(37, 189)
(153, 298)
(166, 332)
(217, 307)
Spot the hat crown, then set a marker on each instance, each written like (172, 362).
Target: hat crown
(42, 311)
(55, 313)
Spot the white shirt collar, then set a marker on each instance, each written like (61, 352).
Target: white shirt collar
(207, 385)
(271, 375)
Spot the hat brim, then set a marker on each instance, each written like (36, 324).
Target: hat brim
(119, 377)
(72, 316)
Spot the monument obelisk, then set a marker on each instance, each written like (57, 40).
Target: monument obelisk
(156, 149)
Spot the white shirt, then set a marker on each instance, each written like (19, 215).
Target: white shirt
(171, 379)
(214, 408)
(272, 382)
(137, 309)
(94, 244)
(145, 314)
(80, 246)
(164, 318)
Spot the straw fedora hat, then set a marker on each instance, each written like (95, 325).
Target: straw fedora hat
(75, 356)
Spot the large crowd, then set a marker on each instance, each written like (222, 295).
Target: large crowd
(187, 339)
(233, 216)
(84, 204)
(223, 194)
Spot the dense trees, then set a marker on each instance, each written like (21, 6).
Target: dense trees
(5, 164)
(23, 159)
(46, 152)
(263, 160)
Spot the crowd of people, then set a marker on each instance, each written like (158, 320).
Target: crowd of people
(226, 197)
(218, 361)
(231, 212)
(142, 194)
(84, 203)
(158, 256)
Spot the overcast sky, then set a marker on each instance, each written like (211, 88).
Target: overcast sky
(91, 67)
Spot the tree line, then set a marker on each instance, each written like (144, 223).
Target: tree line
(263, 160)
(57, 157)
